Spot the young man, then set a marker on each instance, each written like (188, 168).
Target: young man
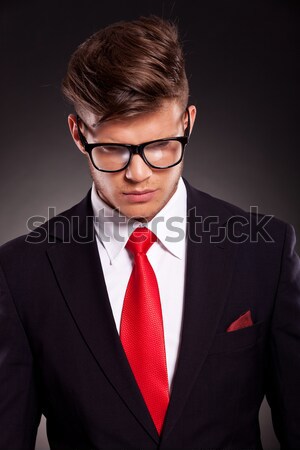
(162, 322)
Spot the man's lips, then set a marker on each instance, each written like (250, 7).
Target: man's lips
(137, 192)
(140, 196)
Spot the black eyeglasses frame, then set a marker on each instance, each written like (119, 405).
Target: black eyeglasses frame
(134, 149)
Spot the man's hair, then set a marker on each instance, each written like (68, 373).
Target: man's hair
(127, 68)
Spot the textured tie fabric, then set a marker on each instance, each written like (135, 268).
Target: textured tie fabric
(141, 329)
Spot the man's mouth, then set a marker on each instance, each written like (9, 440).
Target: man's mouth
(139, 196)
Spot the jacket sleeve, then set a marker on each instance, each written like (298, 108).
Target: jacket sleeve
(283, 382)
(19, 410)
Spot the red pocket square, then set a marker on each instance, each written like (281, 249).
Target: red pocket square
(244, 321)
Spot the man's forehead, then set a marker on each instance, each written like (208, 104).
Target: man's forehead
(95, 121)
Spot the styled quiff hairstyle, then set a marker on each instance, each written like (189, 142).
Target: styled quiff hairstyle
(127, 68)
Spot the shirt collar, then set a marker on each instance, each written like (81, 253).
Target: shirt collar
(113, 229)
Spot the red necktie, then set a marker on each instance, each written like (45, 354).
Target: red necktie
(141, 330)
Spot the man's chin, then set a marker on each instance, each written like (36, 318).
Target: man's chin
(140, 214)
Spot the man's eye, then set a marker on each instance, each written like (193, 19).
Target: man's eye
(112, 149)
(158, 145)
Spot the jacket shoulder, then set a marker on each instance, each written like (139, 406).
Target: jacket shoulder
(213, 210)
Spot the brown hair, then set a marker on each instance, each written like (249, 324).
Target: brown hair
(127, 68)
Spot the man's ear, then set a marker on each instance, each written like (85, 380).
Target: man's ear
(72, 122)
(193, 111)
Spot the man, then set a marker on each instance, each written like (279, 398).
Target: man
(150, 315)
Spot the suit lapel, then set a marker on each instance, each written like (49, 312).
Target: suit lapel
(208, 274)
(75, 262)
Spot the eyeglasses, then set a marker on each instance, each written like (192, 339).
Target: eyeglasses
(158, 154)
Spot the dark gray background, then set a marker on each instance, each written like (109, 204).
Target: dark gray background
(242, 64)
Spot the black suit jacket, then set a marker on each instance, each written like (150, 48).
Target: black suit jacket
(60, 353)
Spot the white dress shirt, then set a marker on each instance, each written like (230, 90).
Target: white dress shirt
(167, 256)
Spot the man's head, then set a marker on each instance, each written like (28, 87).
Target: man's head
(127, 83)
(127, 68)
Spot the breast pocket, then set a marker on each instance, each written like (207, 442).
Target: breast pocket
(240, 339)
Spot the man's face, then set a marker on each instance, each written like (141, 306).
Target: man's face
(138, 191)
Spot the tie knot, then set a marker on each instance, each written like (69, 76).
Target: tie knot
(140, 240)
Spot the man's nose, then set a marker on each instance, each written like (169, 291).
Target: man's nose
(138, 170)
